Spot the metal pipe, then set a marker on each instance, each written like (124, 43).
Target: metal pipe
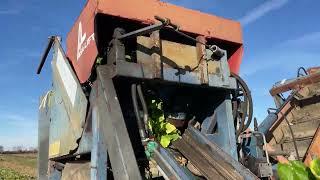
(136, 111)
(45, 53)
(217, 52)
(142, 31)
(144, 107)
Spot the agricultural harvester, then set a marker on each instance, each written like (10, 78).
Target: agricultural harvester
(293, 128)
(148, 90)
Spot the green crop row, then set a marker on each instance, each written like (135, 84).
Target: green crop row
(8, 174)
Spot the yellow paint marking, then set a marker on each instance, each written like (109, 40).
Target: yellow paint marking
(54, 148)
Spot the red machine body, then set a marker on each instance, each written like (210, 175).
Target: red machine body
(90, 34)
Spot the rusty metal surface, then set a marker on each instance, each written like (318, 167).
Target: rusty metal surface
(81, 42)
(156, 55)
(181, 63)
(173, 54)
(313, 70)
(295, 83)
(201, 59)
(208, 158)
(314, 148)
(302, 112)
(170, 167)
(76, 171)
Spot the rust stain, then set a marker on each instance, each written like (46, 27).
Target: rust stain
(296, 84)
(314, 148)
(203, 66)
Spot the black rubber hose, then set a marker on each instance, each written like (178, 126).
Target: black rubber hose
(293, 138)
(136, 111)
(144, 108)
(304, 70)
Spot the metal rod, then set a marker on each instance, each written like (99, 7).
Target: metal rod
(166, 21)
(144, 107)
(45, 53)
(191, 38)
(136, 111)
(142, 31)
(264, 143)
(176, 29)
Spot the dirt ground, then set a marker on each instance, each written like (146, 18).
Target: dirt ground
(19, 166)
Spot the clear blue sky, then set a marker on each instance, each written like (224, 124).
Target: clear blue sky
(279, 36)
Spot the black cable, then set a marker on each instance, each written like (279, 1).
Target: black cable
(144, 107)
(293, 138)
(136, 111)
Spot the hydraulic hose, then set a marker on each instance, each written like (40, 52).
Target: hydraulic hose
(136, 112)
(303, 69)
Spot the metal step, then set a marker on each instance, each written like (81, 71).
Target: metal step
(209, 159)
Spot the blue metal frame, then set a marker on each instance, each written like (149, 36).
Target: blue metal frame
(225, 133)
(99, 155)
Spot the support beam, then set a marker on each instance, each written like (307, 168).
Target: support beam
(108, 115)
(225, 135)
(99, 155)
(43, 137)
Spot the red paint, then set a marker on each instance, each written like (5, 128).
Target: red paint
(235, 60)
(191, 21)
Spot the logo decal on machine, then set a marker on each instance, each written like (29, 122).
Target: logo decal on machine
(83, 41)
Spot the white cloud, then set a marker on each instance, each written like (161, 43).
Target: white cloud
(19, 121)
(262, 10)
(289, 55)
(279, 62)
(303, 40)
(285, 59)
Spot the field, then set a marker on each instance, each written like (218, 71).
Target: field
(18, 166)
